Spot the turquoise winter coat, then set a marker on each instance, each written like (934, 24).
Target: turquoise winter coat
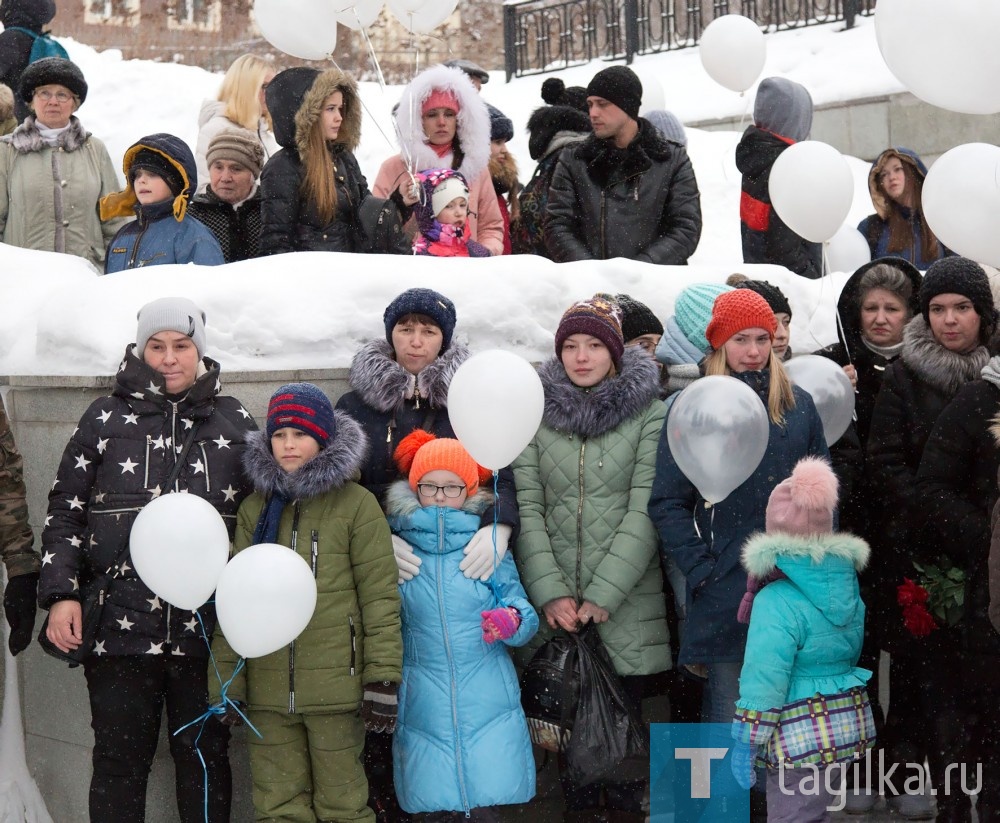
(461, 738)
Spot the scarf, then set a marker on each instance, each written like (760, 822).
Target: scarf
(266, 530)
(50, 136)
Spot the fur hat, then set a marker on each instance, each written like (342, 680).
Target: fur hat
(422, 301)
(600, 317)
(53, 71)
(619, 85)
(239, 146)
(959, 275)
(774, 296)
(556, 93)
(693, 311)
(302, 406)
(170, 314)
(421, 452)
(803, 504)
(737, 310)
(637, 318)
(501, 126)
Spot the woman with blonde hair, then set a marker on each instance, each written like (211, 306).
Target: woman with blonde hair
(241, 104)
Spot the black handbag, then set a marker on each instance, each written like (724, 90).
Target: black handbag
(93, 592)
(379, 228)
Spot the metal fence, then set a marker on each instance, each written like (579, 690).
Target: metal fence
(548, 35)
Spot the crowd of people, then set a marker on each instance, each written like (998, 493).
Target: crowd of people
(400, 698)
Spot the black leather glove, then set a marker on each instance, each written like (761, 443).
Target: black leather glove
(379, 707)
(19, 605)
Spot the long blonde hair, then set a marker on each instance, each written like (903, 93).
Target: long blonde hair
(780, 397)
(241, 91)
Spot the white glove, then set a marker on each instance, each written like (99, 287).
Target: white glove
(406, 561)
(479, 553)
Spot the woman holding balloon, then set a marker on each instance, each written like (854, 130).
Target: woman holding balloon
(165, 417)
(587, 549)
(701, 526)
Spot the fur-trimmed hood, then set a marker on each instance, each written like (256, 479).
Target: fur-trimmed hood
(385, 385)
(944, 370)
(605, 161)
(823, 567)
(434, 529)
(594, 411)
(295, 99)
(548, 123)
(26, 138)
(334, 466)
(472, 131)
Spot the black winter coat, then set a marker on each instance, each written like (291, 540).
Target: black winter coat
(640, 202)
(378, 402)
(957, 489)
(236, 229)
(15, 46)
(115, 463)
(766, 237)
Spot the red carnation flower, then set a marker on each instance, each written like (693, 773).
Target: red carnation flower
(911, 594)
(918, 620)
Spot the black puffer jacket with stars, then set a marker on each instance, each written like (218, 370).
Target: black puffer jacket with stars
(117, 460)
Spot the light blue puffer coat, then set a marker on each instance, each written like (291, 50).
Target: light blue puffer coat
(461, 738)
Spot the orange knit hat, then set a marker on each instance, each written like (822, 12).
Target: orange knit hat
(734, 311)
(421, 452)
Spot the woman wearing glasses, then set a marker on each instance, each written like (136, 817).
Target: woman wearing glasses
(53, 172)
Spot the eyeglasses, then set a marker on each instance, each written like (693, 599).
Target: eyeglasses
(431, 490)
(60, 96)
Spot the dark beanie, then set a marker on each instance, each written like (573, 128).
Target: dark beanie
(637, 318)
(556, 93)
(501, 126)
(156, 163)
(599, 317)
(619, 85)
(959, 275)
(53, 71)
(422, 301)
(774, 296)
(302, 406)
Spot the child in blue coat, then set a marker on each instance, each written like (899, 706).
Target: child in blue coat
(461, 745)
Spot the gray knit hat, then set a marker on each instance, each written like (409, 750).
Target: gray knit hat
(238, 145)
(170, 314)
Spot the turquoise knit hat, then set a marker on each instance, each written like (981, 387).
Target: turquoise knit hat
(693, 311)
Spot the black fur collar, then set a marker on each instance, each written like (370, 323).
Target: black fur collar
(945, 370)
(383, 384)
(592, 412)
(606, 163)
(334, 466)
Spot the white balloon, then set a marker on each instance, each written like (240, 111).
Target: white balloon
(812, 189)
(405, 9)
(717, 429)
(961, 201)
(495, 403)
(358, 14)
(431, 15)
(266, 596)
(733, 51)
(301, 28)
(847, 250)
(944, 51)
(179, 545)
(830, 389)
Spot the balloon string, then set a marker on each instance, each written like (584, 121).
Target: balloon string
(496, 559)
(364, 105)
(825, 275)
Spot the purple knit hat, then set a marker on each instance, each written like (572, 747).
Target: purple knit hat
(600, 317)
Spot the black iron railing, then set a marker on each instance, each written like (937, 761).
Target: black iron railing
(548, 35)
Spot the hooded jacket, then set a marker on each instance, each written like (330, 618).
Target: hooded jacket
(640, 202)
(289, 222)
(389, 403)
(875, 227)
(705, 542)
(804, 640)
(50, 195)
(15, 46)
(582, 485)
(353, 637)
(117, 460)
(459, 705)
(213, 121)
(783, 113)
(485, 223)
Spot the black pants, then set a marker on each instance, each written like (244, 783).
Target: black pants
(127, 695)
(484, 814)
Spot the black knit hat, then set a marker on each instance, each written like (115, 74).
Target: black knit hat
(53, 71)
(422, 301)
(501, 126)
(159, 165)
(774, 296)
(959, 275)
(619, 85)
(637, 318)
(556, 93)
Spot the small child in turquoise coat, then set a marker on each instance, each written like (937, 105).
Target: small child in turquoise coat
(461, 744)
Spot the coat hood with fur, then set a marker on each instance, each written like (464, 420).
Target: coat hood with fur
(334, 466)
(384, 385)
(594, 411)
(945, 370)
(473, 123)
(295, 99)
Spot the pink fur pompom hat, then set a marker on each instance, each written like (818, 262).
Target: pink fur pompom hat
(803, 504)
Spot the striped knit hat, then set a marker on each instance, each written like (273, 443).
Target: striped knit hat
(302, 406)
(420, 452)
(600, 317)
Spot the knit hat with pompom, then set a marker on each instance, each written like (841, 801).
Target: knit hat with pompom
(421, 452)
(803, 504)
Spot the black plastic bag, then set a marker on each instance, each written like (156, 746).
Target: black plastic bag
(609, 742)
(549, 689)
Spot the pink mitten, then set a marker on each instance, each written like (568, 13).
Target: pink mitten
(500, 624)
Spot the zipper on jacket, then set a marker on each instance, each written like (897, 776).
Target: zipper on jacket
(173, 444)
(314, 553)
(579, 523)
(354, 642)
(169, 608)
(135, 250)
(416, 395)
(145, 476)
(291, 646)
(204, 457)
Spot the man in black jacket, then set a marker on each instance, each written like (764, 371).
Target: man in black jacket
(15, 46)
(625, 191)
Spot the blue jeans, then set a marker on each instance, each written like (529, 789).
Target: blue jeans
(721, 691)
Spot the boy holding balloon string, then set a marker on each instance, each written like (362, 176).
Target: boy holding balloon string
(304, 698)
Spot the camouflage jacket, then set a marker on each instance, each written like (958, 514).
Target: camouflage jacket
(16, 540)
